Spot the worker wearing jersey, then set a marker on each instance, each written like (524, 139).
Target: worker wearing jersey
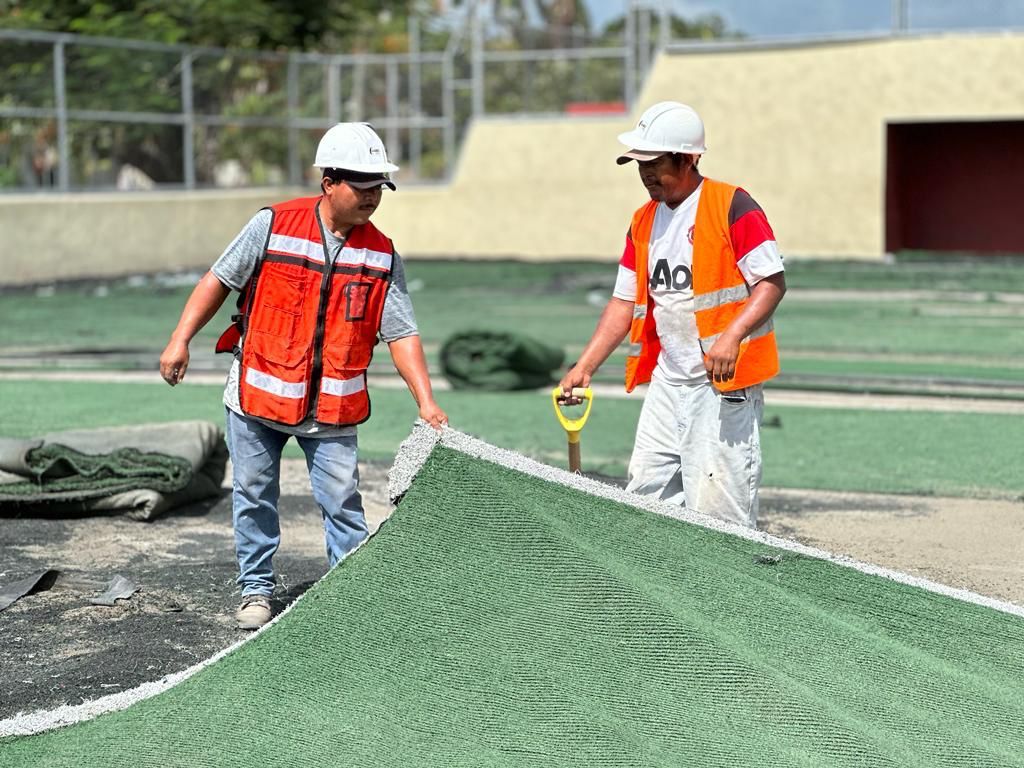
(699, 280)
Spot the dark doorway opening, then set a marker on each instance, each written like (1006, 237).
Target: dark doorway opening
(955, 187)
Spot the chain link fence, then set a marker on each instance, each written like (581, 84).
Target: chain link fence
(85, 113)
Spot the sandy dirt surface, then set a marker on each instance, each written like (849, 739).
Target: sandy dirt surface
(57, 648)
(972, 544)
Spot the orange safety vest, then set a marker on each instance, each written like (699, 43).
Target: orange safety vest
(719, 294)
(307, 330)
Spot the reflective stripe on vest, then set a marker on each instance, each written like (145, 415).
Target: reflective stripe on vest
(296, 246)
(275, 386)
(719, 294)
(762, 330)
(717, 298)
(342, 387)
(314, 251)
(310, 324)
(296, 390)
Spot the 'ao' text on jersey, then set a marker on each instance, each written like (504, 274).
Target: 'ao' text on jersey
(664, 278)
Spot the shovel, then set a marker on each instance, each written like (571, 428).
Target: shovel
(573, 427)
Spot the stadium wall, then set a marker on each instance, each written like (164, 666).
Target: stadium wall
(803, 128)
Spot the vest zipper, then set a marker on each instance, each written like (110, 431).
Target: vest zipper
(321, 318)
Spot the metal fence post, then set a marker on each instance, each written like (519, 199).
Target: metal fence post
(448, 109)
(479, 106)
(415, 94)
(664, 24)
(294, 173)
(334, 91)
(900, 16)
(629, 91)
(188, 125)
(391, 96)
(644, 39)
(61, 102)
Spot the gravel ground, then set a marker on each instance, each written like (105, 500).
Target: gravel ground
(55, 647)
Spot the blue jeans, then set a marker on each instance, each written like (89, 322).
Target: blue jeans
(256, 487)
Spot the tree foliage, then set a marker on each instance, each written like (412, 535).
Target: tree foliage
(312, 25)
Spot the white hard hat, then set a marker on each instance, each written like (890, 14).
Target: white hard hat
(353, 147)
(668, 126)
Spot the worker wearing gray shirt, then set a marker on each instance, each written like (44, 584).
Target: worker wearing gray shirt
(320, 285)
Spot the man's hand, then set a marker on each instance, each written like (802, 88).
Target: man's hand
(720, 361)
(431, 413)
(174, 362)
(201, 306)
(576, 377)
(611, 330)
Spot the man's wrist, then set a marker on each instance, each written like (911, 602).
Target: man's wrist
(732, 336)
(585, 368)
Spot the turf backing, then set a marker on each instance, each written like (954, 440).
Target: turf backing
(500, 619)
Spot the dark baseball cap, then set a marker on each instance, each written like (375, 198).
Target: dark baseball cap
(359, 180)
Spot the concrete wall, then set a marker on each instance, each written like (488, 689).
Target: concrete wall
(59, 237)
(802, 129)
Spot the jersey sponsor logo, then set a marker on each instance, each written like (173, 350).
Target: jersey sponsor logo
(678, 279)
(689, 233)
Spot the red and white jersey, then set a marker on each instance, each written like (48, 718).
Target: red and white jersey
(670, 276)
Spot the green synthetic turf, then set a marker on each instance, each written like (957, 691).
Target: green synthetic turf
(913, 452)
(118, 317)
(502, 620)
(985, 370)
(987, 275)
(887, 327)
(560, 303)
(57, 469)
(500, 362)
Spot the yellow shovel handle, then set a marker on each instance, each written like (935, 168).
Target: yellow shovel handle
(572, 427)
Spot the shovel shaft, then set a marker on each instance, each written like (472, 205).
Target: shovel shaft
(574, 457)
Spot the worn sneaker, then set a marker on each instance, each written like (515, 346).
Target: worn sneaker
(254, 612)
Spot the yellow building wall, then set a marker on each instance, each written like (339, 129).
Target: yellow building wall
(805, 130)
(802, 129)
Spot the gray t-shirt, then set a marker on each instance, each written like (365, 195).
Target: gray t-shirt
(236, 265)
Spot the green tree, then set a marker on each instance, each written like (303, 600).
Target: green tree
(707, 26)
(327, 25)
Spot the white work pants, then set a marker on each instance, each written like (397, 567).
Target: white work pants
(700, 449)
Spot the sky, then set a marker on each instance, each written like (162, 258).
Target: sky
(801, 17)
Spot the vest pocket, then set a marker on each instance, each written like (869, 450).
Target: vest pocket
(352, 323)
(276, 327)
(274, 337)
(734, 397)
(357, 297)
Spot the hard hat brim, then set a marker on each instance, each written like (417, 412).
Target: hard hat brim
(371, 184)
(357, 179)
(639, 155)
